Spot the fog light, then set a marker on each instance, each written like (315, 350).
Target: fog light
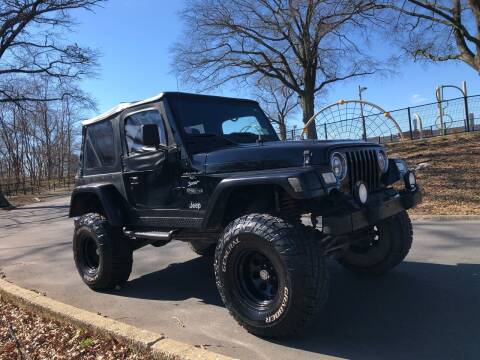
(361, 192)
(410, 180)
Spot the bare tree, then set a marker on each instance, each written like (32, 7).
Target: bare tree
(32, 49)
(30, 45)
(304, 44)
(440, 30)
(38, 141)
(278, 102)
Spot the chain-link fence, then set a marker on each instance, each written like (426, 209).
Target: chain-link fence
(435, 119)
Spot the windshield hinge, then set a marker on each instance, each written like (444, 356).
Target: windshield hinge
(307, 157)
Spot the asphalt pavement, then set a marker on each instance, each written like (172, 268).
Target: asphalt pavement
(427, 308)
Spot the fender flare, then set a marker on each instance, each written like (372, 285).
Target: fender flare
(108, 197)
(311, 187)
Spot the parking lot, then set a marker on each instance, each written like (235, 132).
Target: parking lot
(427, 308)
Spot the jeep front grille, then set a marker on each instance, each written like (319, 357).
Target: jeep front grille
(363, 165)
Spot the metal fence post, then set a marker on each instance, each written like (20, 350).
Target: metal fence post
(467, 117)
(410, 122)
(364, 129)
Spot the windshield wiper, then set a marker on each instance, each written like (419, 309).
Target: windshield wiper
(243, 134)
(206, 135)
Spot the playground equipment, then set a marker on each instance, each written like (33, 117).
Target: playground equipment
(418, 125)
(441, 123)
(354, 119)
(444, 120)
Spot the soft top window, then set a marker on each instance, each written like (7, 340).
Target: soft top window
(133, 130)
(99, 148)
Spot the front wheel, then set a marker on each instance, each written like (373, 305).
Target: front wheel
(386, 247)
(102, 254)
(271, 275)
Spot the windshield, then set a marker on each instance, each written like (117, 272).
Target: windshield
(209, 122)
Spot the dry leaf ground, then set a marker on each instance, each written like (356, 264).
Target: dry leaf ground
(21, 199)
(42, 339)
(451, 182)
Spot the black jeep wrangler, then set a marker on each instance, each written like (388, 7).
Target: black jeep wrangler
(211, 171)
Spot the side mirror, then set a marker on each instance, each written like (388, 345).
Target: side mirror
(150, 136)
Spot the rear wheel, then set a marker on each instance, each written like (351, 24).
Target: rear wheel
(103, 255)
(270, 274)
(387, 246)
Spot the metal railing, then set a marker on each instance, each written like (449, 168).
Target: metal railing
(435, 119)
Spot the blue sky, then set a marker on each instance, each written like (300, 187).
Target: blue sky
(135, 37)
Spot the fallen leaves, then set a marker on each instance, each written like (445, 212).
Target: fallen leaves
(451, 181)
(41, 339)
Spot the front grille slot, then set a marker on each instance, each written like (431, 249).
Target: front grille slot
(363, 165)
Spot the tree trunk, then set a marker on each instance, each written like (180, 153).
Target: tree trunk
(282, 129)
(3, 201)
(307, 101)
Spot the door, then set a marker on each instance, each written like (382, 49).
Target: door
(151, 175)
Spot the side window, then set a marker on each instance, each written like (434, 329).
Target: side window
(133, 130)
(99, 148)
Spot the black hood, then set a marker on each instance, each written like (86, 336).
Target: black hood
(272, 155)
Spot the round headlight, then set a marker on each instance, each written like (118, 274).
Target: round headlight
(339, 165)
(382, 161)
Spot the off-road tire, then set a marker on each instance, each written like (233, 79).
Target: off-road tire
(202, 248)
(395, 235)
(113, 249)
(299, 268)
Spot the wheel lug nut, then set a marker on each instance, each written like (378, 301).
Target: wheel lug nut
(264, 275)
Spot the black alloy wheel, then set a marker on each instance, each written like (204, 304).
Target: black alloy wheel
(90, 254)
(256, 278)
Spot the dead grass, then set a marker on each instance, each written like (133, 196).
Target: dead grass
(451, 182)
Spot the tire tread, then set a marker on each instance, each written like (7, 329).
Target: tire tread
(299, 250)
(117, 251)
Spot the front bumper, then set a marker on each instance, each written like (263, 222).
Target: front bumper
(341, 224)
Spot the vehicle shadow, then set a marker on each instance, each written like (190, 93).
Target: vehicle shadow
(178, 281)
(419, 310)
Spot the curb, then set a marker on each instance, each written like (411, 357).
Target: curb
(445, 217)
(139, 339)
